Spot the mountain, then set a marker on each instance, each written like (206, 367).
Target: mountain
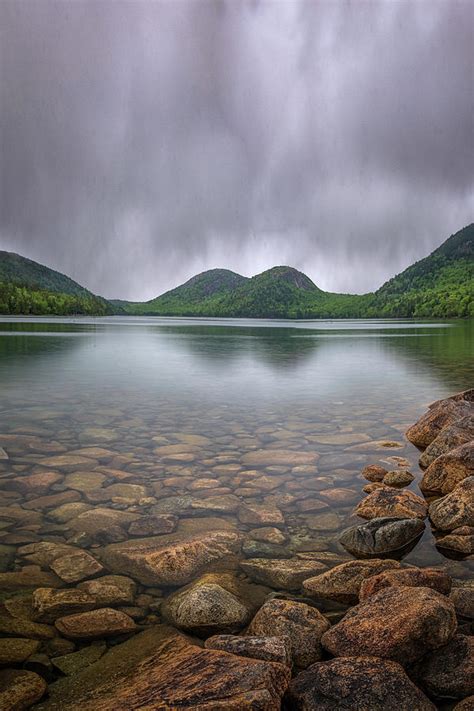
(439, 286)
(27, 287)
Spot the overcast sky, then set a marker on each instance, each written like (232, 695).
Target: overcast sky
(143, 142)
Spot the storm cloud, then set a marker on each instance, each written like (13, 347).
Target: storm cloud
(142, 142)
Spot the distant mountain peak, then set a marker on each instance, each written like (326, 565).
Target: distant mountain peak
(290, 275)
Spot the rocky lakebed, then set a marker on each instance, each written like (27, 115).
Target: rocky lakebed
(165, 572)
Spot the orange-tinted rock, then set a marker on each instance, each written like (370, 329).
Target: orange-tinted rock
(356, 684)
(406, 577)
(282, 574)
(34, 483)
(270, 649)
(391, 502)
(342, 583)
(20, 689)
(96, 624)
(169, 560)
(374, 473)
(279, 457)
(455, 509)
(440, 414)
(397, 623)
(49, 604)
(301, 624)
(74, 567)
(159, 668)
(448, 470)
(450, 437)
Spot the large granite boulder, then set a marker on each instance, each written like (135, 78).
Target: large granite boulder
(356, 684)
(448, 470)
(406, 577)
(389, 502)
(385, 536)
(456, 509)
(160, 668)
(301, 624)
(397, 623)
(205, 608)
(281, 574)
(449, 672)
(342, 583)
(450, 437)
(440, 414)
(170, 560)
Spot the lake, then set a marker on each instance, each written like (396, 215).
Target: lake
(176, 404)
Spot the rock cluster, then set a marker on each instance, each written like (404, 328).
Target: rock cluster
(239, 587)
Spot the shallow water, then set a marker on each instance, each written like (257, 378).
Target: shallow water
(133, 385)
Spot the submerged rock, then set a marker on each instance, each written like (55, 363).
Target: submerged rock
(342, 583)
(261, 515)
(356, 684)
(390, 502)
(382, 536)
(270, 649)
(96, 624)
(459, 542)
(301, 624)
(278, 573)
(278, 457)
(15, 650)
(204, 608)
(397, 623)
(49, 604)
(449, 672)
(448, 470)
(110, 590)
(72, 568)
(455, 509)
(406, 577)
(77, 661)
(170, 560)
(161, 666)
(20, 689)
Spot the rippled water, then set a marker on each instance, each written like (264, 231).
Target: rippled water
(133, 385)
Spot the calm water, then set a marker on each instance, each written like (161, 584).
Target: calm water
(131, 385)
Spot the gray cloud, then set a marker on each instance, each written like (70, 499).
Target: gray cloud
(142, 142)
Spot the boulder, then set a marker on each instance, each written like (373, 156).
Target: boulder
(462, 598)
(448, 470)
(385, 536)
(356, 684)
(49, 604)
(342, 583)
(72, 568)
(18, 627)
(440, 414)
(100, 519)
(397, 623)
(301, 624)
(280, 573)
(459, 542)
(450, 437)
(449, 672)
(153, 525)
(20, 689)
(75, 662)
(455, 509)
(465, 704)
(170, 560)
(96, 624)
(31, 576)
(406, 577)
(15, 650)
(110, 590)
(159, 666)
(37, 484)
(205, 608)
(270, 649)
(391, 502)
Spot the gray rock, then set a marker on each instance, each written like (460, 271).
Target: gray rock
(382, 536)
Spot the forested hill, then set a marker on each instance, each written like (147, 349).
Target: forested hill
(27, 287)
(441, 285)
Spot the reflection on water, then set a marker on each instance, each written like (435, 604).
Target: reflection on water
(131, 385)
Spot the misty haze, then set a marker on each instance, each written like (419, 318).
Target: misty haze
(236, 355)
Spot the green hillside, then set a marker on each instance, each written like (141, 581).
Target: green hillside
(27, 287)
(439, 286)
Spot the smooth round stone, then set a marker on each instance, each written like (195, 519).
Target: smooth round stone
(381, 536)
(84, 481)
(96, 624)
(20, 689)
(398, 478)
